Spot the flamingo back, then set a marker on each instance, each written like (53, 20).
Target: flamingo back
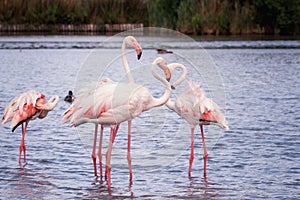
(91, 102)
(23, 107)
(109, 103)
(210, 112)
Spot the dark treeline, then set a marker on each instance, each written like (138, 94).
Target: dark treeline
(188, 16)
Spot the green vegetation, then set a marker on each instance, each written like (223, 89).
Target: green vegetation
(188, 16)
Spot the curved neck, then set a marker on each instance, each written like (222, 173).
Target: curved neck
(170, 104)
(125, 63)
(50, 105)
(174, 66)
(162, 100)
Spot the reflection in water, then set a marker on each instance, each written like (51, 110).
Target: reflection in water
(201, 188)
(26, 184)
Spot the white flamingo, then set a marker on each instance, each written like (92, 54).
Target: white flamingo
(113, 103)
(128, 41)
(196, 109)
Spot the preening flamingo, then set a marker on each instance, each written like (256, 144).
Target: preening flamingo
(195, 108)
(25, 107)
(112, 103)
(128, 41)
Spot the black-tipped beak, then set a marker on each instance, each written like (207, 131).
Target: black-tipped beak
(172, 87)
(139, 55)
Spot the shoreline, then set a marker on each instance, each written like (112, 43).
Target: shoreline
(70, 28)
(110, 29)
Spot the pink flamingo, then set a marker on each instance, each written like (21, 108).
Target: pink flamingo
(25, 107)
(195, 108)
(112, 103)
(128, 41)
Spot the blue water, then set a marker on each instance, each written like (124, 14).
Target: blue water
(257, 158)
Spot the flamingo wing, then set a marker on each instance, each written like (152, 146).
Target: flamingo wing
(23, 108)
(209, 110)
(90, 102)
(109, 103)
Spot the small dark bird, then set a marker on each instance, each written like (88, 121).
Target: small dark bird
(69, 98)
(163, 51)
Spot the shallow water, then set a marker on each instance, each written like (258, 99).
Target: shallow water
(258, 157)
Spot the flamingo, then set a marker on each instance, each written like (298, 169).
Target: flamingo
(25, 107)
(112, 103)
(195, 108)
(128, 41)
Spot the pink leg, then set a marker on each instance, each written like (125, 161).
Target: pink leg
(100, 150)
(128, 153)
(116, 128)
(108, 155)
(205, 154)
(24, 147)
(22, 144)
(192, 151)
(94, 149)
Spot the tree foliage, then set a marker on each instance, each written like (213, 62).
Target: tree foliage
(190, 16)
(278, 14)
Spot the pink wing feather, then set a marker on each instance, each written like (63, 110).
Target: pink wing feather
(22, 107)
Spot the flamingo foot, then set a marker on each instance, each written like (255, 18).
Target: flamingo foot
(22, 166)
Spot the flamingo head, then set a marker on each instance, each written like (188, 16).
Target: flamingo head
(162, 63)
(131, 41)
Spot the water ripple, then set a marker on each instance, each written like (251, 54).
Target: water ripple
(258, 158)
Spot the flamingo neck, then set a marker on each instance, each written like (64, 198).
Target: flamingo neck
(163, 99)
(125, 63)
(170, 104)
(174, 66)
(50, 105)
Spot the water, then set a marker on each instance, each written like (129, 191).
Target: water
(258, 157)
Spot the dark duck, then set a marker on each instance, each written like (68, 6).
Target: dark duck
(69, 98)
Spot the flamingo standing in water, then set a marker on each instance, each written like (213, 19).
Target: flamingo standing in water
(25, 107)
(195, 108)
(114, 103)
(130, 41)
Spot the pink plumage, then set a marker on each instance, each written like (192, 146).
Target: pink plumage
(80, 113)
(111, 103)
(197, 109)
(25, 107)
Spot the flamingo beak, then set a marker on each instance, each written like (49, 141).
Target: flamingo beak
(138, 50)
(139, 55)
(168, 77)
